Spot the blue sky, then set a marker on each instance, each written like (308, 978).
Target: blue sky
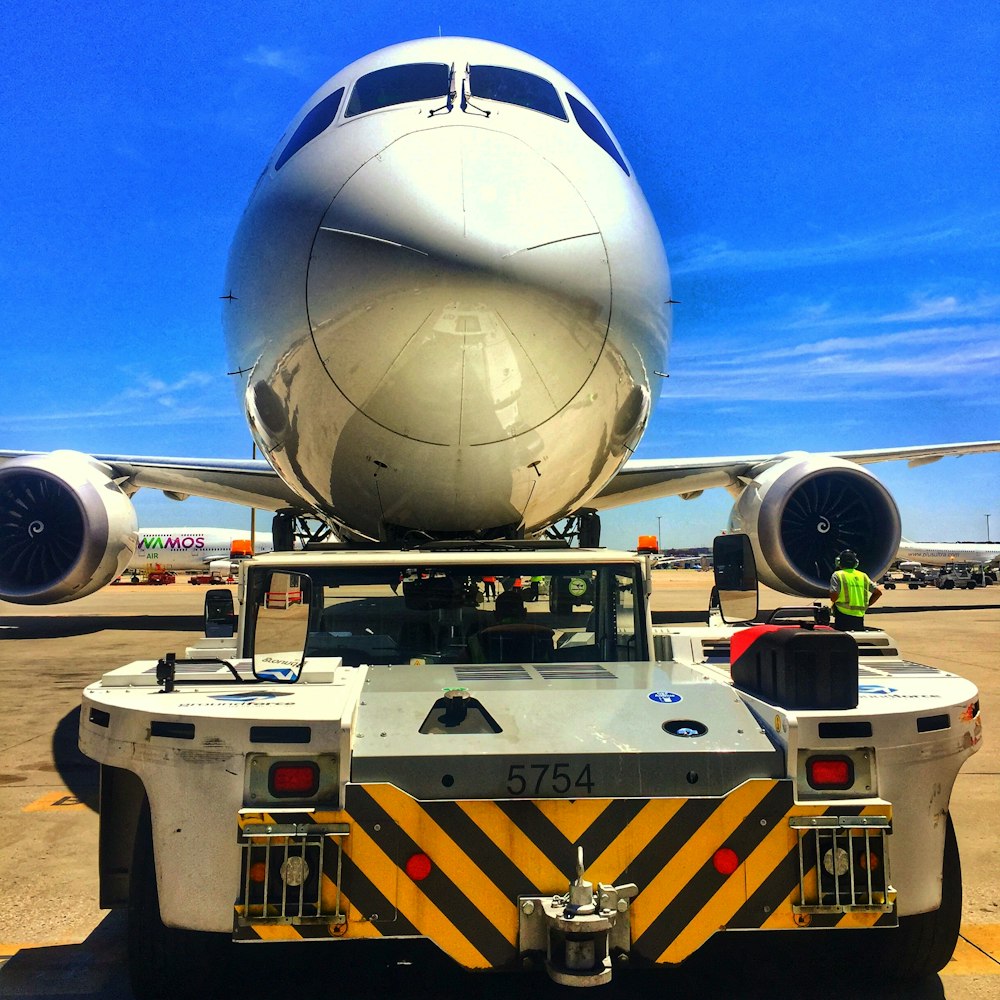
(826, 179)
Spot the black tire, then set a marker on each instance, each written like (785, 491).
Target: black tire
(164, 962)
(923, 944)
(919, 947)
(927, 940)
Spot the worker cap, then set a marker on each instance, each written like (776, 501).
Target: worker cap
(848, 559)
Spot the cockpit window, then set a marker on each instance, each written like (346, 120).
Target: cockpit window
(513, 86)
(590, 124)
(317, 121)
(398, 85)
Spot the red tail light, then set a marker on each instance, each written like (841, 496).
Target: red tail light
(830, 772)
(870, 862)
(299, 779)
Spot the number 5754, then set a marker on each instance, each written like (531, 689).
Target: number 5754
(549, 779)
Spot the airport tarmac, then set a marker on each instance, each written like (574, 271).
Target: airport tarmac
(56, 942)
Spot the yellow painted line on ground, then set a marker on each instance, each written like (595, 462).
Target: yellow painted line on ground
(8, 949)
(61, 801)
(977, 952)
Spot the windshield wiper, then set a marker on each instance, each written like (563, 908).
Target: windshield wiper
(467, 102)
(450, 101)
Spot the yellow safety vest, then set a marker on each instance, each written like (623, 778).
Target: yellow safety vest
(852, 599)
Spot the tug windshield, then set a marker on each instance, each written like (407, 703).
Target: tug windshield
(418, 613)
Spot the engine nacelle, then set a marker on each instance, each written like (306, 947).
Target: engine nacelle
(804, 511)
(66, 528)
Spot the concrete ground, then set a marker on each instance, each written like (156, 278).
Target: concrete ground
(54, 941)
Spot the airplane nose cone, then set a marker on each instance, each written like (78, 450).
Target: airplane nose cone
(447, 304)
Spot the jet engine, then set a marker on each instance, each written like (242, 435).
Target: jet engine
(66, 528)
(803, 511)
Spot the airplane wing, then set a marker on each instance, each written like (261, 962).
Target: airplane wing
(799, 508)
(651, 479)
(254, 483)
(251, 482)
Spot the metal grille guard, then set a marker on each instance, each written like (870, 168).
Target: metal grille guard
(282, 873)
(850, 858)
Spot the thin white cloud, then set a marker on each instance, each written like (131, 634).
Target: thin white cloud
(283, 60)
(147, 401)
(703, 254)
(71, 419)
(949, 307)
(169, 394)
(924, 308)
(936, 347)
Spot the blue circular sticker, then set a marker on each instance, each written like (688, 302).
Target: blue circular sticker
(665, 697)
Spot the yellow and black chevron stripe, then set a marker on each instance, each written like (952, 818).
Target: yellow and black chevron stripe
(486, 854)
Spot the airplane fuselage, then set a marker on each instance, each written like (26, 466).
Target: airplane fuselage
(448, 321)
(189, 548)
(948, 553)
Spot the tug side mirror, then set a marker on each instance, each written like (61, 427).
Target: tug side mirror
(280, 625)
(735, 578)
(220, 614)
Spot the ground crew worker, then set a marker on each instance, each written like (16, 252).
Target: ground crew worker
(852, 593)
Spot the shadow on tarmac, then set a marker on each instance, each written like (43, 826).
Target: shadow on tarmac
(917, 608)
(698, 617)
(417, 970)
(65, 626)
(79, 774)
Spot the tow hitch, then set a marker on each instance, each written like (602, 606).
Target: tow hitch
(580, 932)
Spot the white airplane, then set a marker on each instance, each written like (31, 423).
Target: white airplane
(448, 308)
(194, 548)
(947, 553)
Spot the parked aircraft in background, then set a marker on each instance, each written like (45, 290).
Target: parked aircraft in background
(447, 305)
(947, 553)
(181, 549)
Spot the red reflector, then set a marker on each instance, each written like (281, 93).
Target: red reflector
(726, 861)
(869, 862)
(418, 867)
(300, 780)
(830, 772)
(257, 871)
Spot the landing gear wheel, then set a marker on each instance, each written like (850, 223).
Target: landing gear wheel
(283, 531)
(164, 962)
(590, 529)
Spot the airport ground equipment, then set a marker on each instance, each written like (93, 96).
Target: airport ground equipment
(552, 783)
(913, 579)
(952, 578)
